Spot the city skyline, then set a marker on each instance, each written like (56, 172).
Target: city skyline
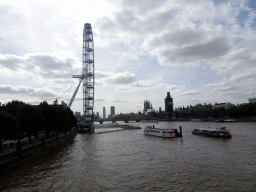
(200, 52)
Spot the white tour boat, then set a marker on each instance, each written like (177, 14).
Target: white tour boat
(162, 132)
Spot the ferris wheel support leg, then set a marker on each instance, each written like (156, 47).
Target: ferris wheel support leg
(74, 95)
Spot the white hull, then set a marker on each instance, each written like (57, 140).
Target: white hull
(160, 134)
(151, 130)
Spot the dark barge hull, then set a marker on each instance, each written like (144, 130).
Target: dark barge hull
(212, 135)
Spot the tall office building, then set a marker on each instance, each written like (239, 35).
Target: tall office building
(104, 113)
(168, 105)
(112, 111)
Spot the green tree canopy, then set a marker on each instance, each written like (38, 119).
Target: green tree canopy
(9, 127)
(63, 120)
(13, 107)
(31, 120)
(72, 119)
(51, 117)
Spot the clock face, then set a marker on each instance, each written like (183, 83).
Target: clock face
(170, 103)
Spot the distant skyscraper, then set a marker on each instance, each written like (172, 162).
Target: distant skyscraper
(104, 113)
(77, 115)
(168, 105)
(112, 111)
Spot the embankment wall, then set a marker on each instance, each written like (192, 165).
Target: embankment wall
(13, 159)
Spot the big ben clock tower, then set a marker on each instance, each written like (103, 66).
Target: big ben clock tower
(168, 105)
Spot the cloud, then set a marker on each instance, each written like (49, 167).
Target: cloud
(248, 75)
(122, 78)
(120, 101)
(184, 32)
(54, 65)
(190, 93)
(115, 78)
(100, 100)
(25, 90)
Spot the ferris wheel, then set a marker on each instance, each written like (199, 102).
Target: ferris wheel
(88, 75)
(87, 78)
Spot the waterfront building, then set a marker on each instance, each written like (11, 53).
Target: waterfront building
(77, 115)
(64, 104)
(147, 106)
(252, 100)
(112, 111)
(55, 102)
(168, 105)
(104, 113)
(224, 105)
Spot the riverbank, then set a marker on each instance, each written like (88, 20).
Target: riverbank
(13, 157)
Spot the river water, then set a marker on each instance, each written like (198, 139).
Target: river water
(131, 161)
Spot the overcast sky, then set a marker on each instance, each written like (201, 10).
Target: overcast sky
(201, 51)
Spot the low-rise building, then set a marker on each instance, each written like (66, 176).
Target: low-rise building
(252, 100)
(77, 115)
(224, 105)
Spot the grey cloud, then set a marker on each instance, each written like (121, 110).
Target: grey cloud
(193, 92)
(196, 53)
(128, 21)
(215, 48)
(28, 91)
(178, 38)
(100, 100)
(143, 6)
(122, 80)
(116, 78)
(139, 84)
(124, 19)
(100, 74)
(120, 101)
(153, 24)
(11, 90)
(50, 62)
(50, 66)
(244, 76)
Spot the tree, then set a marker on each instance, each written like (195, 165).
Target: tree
(9, 127)
(13, 107)
(63, 120)
(51, 117)
(233, 112)
(219, 112)
(31, 120)
(71, 117)
(177, 114)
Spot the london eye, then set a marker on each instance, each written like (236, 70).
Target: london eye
(87, 79)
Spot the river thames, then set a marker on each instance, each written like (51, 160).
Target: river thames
(131, 161)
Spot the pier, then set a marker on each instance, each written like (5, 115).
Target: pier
(115, 125)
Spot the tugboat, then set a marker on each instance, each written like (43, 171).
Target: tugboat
(221, 132)
(162, 132)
